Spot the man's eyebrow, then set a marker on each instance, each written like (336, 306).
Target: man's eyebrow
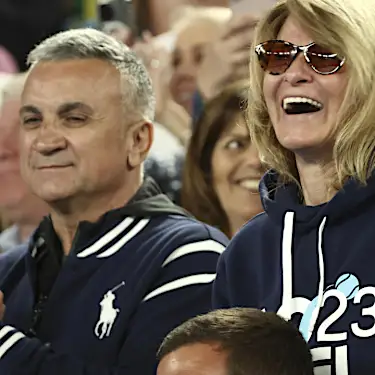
(71, 106)
(29, 109)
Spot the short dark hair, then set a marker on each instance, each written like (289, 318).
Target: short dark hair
(256, 342)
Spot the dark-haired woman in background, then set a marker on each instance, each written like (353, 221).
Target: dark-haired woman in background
(222, 168)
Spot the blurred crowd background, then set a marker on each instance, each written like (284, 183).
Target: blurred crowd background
(197, 54)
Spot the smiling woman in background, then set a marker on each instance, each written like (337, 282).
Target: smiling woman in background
(222, 168)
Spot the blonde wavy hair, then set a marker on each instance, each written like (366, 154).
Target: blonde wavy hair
(348, 28)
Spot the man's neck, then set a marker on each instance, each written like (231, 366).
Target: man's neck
(315, 182)
(89, 208)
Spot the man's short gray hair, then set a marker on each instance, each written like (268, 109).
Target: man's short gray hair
(136, 84)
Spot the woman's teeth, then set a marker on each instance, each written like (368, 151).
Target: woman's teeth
(300, 105)
(249, 184)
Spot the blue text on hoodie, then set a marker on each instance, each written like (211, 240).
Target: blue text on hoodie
(312, 265)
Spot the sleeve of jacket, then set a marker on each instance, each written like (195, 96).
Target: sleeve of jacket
(229, 265)
(220, 298)
(9, 259)
(182, 290)
(238, 276)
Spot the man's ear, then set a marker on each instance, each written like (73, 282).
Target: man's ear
(142, 135)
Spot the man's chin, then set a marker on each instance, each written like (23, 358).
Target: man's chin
(53, 197)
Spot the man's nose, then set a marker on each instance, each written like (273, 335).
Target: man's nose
(49, 141)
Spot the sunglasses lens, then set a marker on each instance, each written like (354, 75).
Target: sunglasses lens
(323, 60)
(275, 57)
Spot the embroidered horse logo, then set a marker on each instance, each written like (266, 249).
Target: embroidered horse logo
(108, 313)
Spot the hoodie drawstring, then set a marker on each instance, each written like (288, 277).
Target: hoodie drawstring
(287, 267)
(287, 271)
(320, 296)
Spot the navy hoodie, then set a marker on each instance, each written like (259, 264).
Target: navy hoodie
(129, 279)
(312, 265)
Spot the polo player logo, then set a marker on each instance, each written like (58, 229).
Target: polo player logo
(108, 313)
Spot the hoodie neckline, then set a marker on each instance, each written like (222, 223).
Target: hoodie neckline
(277, 199)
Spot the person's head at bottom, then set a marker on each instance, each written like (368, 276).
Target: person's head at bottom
(238, 341)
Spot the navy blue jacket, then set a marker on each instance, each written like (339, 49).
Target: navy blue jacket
(129, 279)
(312, 265)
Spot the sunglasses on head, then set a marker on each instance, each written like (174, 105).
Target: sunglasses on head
(276, 56)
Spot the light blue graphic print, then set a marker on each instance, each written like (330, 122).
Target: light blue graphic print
(347, 284)
(334, 331)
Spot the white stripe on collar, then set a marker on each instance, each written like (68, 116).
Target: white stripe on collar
(107, 238)
(128, 236)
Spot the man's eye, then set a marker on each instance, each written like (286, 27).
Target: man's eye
(76, 118)
(30, 120)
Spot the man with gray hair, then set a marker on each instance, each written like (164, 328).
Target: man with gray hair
(116, 265)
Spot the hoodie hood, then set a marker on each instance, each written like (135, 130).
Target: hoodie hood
(277, 199)
(149, 201)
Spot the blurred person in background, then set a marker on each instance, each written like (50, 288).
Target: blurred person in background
(116, 263)
(238, 341)
(225, 60)
(164, 161)
(155, 48)
(172, 61)
(7, 62)
(191, 29)
(156, 16)
(173, 70)
(117, 19)
(222, 168)
(17, 204)
(195, 28)
(118, 30)
(310, 255)
(155, 53)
